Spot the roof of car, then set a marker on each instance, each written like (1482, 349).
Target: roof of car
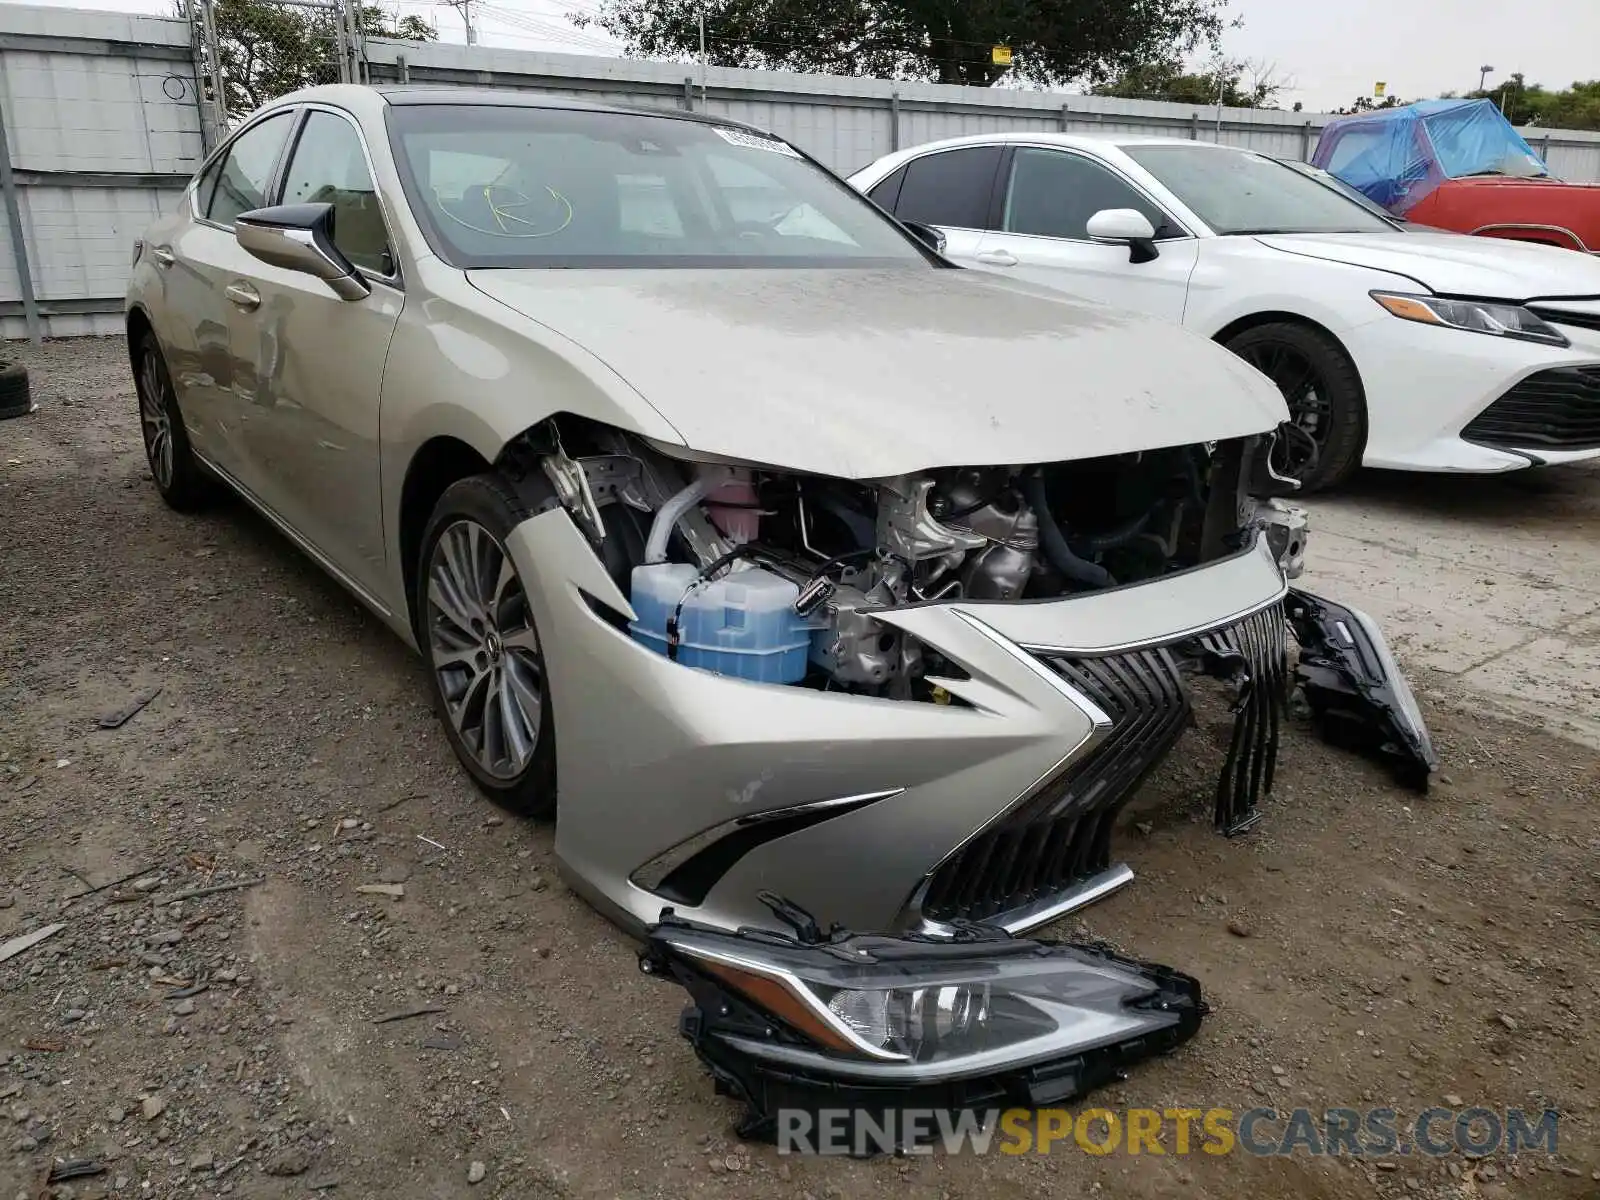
(499, 97)
(405, 95)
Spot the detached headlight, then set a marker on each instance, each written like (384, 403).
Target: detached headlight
(987, 1015)
(1475, 316)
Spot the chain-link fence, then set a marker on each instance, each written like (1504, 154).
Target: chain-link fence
(253, 51)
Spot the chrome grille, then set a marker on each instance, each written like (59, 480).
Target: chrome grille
(1060, 835)
(1062, 832)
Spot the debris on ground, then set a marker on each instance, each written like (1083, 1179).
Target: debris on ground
(119, 717)
(286, 704)
(14, 947)
(405, 1014)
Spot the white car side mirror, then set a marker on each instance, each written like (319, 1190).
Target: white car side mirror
(1126, 227)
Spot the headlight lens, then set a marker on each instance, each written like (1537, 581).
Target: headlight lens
(997, 1004)
(1475, 316)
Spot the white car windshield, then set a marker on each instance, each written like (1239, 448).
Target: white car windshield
(527, 186)
(1241, 192)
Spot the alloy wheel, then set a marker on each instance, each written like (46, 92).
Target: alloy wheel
(484, 650)
(155, 419)
(1310, 409)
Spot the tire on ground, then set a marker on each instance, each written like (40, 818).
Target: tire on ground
(16, 397)
(192, 486)
(492, 502)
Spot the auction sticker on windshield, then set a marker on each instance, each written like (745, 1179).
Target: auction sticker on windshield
(754, 141)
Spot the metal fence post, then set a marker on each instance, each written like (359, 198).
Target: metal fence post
(341, 48)
(213, 54)
(350, 14)
(19, 241)
(894, 121)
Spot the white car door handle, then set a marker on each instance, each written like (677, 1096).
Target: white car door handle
(163, 256)
(243, 295)
(996, 258)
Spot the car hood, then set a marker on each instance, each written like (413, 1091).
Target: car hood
(1454, 265)
(864, 374)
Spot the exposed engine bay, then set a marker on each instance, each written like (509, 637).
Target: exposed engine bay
(774, 576)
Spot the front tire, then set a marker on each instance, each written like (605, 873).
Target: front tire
(180, 478)
(1323, 391)
(485, 660)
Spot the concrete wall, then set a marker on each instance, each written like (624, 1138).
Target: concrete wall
(103, 130)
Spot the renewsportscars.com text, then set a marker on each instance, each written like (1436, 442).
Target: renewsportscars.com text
(1263, 1132)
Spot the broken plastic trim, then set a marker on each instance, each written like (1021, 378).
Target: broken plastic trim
(1251, 657)
(1358, 697)
(873, 1025)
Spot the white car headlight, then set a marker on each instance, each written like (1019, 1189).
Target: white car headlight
(1476, 316)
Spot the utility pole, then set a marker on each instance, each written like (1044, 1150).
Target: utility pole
(1222, 84)
(702, 56)
(1483, 74)
(466, 18)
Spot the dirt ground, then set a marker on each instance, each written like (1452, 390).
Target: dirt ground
(1396, 949)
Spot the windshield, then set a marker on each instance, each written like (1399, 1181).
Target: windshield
(1355, 195)
(511, 186)
(1241, 192)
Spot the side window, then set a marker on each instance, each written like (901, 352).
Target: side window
(246, 170)
(887, 194)
(207, 185)
(951, 187)
(1051, 194)
(328, 167)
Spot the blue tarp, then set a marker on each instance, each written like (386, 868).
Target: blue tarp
(1397, 156)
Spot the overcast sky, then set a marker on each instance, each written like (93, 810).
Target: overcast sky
(1329, 51)
(1334, 50)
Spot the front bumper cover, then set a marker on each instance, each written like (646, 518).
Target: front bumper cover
(1109, 1012)
(849, 804)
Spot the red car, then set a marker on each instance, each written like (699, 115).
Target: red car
(1458, 164)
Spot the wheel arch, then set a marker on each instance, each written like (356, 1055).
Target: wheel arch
(437, 463)
(1283, 317)
(1272, 317)
(138, 324)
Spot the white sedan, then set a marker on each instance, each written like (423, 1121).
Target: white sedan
(1395, 346)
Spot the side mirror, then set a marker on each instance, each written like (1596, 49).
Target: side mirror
(932, 238)
(1126, 227)
(299, 237)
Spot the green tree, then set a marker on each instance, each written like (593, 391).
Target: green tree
(268, 49)
(1167, 80)
(949, 41)
(1368, 104)
(1577, 107)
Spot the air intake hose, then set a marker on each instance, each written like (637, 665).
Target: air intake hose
(1054, 542)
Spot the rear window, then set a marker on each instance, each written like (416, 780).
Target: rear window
(510, 186)
(952, 187)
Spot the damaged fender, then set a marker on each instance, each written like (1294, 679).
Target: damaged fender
(1358, 697)
(873, 1024)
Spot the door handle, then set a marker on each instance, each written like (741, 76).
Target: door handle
(163, 256)
(243, 295)
(997, 258)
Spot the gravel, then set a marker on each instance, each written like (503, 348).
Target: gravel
(1373, 947)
